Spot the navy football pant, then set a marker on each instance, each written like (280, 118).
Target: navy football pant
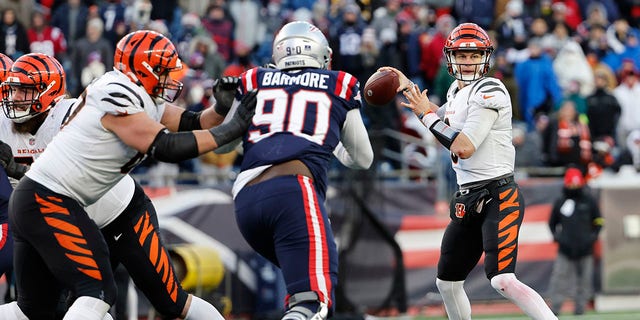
(284, 220)
(6, 241)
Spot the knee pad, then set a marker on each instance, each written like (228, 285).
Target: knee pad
(455, 300)
(449, 288)
(296, 310)
(88, 308)
(200, 309)
(502, 282)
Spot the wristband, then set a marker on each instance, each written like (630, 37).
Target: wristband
(429, 119)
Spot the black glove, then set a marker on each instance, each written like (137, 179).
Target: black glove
(224, 90)
(10, 166)
(237, 126)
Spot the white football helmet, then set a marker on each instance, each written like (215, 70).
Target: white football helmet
(300, 44)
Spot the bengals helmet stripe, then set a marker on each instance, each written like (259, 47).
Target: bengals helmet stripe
(145, 56)
(5, 66)
(37, 63)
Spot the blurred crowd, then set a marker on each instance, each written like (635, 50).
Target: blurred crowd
(572, 67)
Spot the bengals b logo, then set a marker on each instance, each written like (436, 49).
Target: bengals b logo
(460, 212)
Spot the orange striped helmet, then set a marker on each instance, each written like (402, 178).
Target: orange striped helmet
(5, 66)
(148, 58)
(34, 85)
(468, 37)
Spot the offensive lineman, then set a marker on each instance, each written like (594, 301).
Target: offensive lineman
(487, 210)
(113, 125)
(30, 123)
(304, 113)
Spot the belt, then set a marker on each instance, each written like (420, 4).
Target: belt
(503, 181)
(499, 182)
(289, 168)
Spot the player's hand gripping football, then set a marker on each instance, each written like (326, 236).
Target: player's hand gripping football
(417, 100)
(239, 123)
(13, 169)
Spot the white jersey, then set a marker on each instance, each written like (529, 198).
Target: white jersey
(85, 160)
(27, 148)
(495, 154)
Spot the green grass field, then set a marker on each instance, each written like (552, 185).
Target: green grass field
(632, 315)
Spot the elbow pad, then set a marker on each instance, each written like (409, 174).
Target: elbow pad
(443, 133)
(189, 121)
(174, 147)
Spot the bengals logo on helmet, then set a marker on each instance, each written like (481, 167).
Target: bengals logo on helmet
(148, 58)
(34, 84)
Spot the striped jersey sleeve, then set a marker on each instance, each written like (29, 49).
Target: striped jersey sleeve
(114, 96)
(348, 88)
(490, 93)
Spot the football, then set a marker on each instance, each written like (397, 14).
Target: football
(381, 87)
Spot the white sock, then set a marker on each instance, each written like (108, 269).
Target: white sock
(523, 296)
(11, 311)
(202, 310)
(456, 302)
(88, 308)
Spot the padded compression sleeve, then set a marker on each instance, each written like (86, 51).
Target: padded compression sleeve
(173, 147)
(189, 121)
(443, 133)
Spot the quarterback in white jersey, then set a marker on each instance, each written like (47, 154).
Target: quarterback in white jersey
(487, 210)
(116, 122)
(494, 154)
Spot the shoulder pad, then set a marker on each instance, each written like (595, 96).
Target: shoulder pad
(490, 93)
(117, 98)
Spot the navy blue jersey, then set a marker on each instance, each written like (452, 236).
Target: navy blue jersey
(299, 115)
(5, 193)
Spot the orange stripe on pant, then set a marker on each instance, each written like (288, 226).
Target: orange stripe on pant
(70, 238)
(506, 227)
(157, 255)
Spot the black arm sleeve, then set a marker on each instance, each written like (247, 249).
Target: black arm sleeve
(174, 147)
(189, 121)
(443, 133)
